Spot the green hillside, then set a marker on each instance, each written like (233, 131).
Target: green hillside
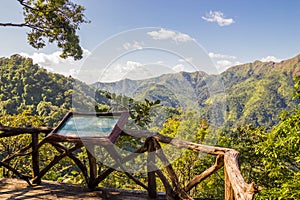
(255, 93)
(26, 86)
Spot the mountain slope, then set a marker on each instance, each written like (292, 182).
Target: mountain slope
(256, 92)
(25, 86)
(253, 93)
(164, 88)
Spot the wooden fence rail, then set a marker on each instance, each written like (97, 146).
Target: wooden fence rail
(235, 185)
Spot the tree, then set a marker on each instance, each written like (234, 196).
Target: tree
(281, 158)
(271, 158)
(187, 164)
(57, 20)
(246, 140)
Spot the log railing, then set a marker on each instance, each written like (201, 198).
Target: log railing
(6, 131)
(235, 185)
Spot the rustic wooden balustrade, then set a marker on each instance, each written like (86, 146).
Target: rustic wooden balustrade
(235, 186)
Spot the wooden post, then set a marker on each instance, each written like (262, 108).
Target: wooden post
(152, 192)
(173, 176)
(93, 166)
(35, 157)
(228, 187)
(170, 194)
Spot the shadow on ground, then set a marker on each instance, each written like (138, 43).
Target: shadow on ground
(19, 189)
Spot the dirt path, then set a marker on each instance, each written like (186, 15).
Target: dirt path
(19, 189)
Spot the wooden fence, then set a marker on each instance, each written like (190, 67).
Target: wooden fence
(235, 186)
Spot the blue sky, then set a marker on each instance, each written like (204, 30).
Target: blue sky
(231, 31)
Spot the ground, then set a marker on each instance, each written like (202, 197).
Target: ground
(19, 189)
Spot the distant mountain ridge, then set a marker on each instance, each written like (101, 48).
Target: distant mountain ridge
(255, 92)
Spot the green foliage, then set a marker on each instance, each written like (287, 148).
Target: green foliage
(246, 139)
(270, 158)
(141, 113)
(9, 145)
(269, 155)
(55, 20)
(259, 101)
(25, 86)
(280, 158)
(297, 88)
(256, 93)
(190, 127)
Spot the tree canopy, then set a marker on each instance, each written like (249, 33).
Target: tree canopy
(31, 96)
(55, 20)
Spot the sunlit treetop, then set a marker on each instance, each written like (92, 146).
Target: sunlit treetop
(53, 21)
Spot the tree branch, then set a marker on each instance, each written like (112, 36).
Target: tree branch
(23, 25)
(13, 24)
(25, 5)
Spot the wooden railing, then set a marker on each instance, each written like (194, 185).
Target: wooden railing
(6, 131)
(235, 185)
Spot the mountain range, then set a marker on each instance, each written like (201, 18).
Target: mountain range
(253, 93)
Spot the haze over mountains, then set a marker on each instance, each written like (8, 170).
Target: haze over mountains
(253, 93)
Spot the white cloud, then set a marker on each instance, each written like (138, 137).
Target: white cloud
(131, 65)
(53, 59)
(189, 59)
(44, 59)
(86, 52)
(178, 68)
(164, 34)
(222, 65)
(217, 16)
(221, 56)
(120, 69)
(133, 46)
(238, 63)
(128, 69)
(54, 63)
(74, 72)
(270, 58)
(223, 61)
(49, 69)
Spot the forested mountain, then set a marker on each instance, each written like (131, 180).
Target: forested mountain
(26, 86)
(255, 93)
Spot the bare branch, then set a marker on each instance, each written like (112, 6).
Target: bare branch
(25, 5)
(23, 25)
(13, 24)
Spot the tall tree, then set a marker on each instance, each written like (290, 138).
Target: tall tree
(55, 20)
